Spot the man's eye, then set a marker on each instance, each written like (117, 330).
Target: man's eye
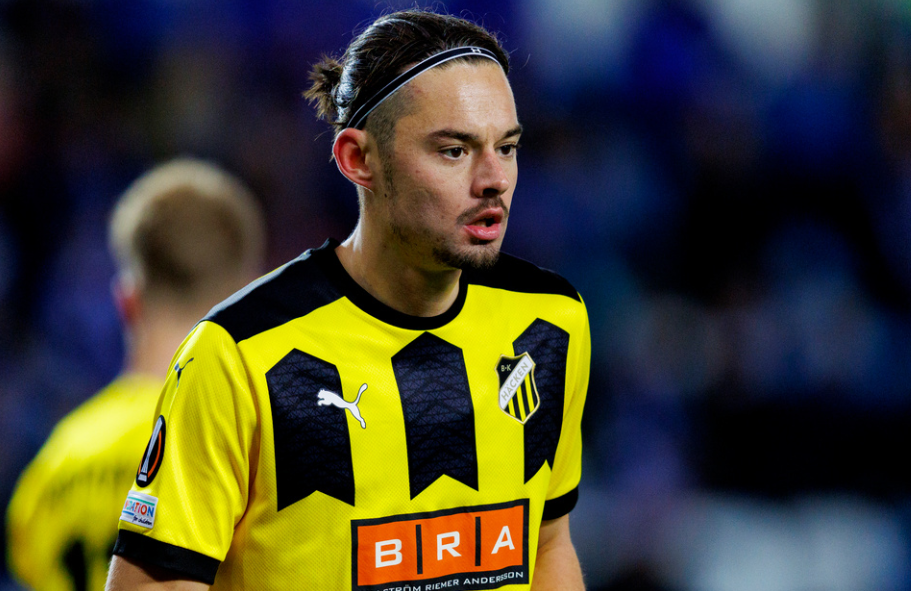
(454, 152)
(509, 149)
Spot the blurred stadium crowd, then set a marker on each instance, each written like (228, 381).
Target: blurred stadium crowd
(727, 183)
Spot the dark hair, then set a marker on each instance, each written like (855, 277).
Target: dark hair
(383, 51)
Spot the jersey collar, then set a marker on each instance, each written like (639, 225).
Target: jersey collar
(328, 260)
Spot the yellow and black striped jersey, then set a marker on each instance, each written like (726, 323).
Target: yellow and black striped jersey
(62, 518)
(312, 438)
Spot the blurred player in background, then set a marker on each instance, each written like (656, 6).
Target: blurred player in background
(185, 235)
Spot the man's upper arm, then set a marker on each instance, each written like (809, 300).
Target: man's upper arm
(128, 575)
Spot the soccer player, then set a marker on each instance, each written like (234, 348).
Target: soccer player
(185, 235)
(397, 411)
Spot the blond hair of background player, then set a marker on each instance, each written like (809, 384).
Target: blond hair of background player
(184, 236)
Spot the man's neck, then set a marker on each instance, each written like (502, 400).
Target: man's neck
(395, 281)
(151, 343)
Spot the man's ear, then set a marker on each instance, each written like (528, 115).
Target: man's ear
(126, 299)
(353, 157)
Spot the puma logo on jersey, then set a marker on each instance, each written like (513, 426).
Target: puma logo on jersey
(327, 398)
(179, 369)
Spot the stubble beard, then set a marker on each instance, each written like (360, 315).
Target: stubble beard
(479, 256)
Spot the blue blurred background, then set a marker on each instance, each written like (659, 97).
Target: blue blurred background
(727, 182)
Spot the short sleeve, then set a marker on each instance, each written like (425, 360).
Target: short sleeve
(562, 493)
(193, 480)
(30, 554)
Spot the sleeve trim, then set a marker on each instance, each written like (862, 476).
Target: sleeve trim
(561, 505)
(185, 562)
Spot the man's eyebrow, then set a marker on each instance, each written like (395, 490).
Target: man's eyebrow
(451, 134)
(517, 130)
(462, 136)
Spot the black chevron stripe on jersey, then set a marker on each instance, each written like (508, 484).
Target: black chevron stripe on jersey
(439, 415)
(312, 443)
(548, 346)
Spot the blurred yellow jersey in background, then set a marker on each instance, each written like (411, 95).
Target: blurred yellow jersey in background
(62, 519)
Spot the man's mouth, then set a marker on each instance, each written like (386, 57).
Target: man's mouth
(486, 225)
(488, 221)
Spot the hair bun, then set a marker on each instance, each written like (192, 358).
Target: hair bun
(325, 77)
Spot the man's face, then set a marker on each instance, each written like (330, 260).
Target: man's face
(448, 180)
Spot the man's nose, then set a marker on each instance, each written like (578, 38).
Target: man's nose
(490, 178)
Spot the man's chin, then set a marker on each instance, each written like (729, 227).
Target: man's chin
(478, 257)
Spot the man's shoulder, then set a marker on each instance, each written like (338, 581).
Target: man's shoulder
(512, 273)
(117, 405)
(293, 290)
(76, 443)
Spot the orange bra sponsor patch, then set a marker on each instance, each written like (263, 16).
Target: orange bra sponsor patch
(481, 547)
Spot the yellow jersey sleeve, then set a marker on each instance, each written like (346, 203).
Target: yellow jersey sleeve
(193, 481)
(28, 555)
(567, 469)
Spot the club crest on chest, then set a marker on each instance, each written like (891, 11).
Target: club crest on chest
(518, 396)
